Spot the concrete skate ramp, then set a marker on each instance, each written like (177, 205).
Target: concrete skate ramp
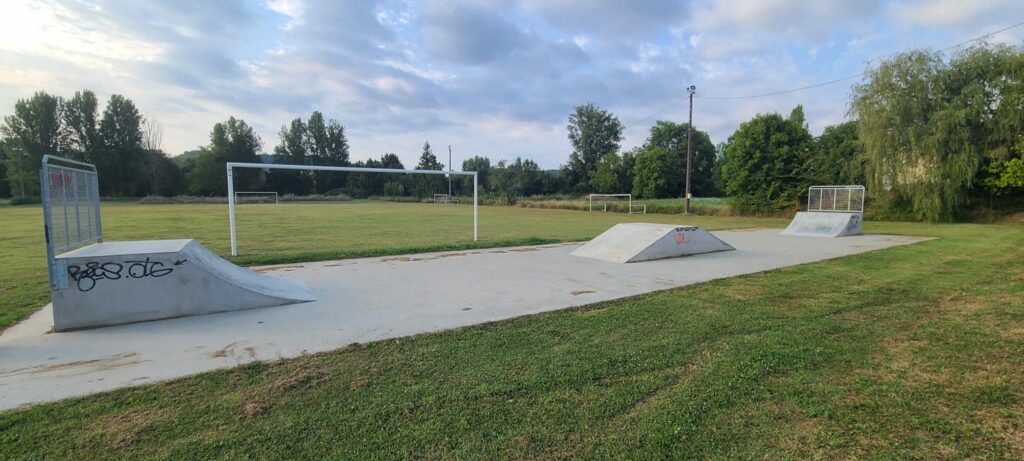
(635, 242)
(125, 282)
(825, 224)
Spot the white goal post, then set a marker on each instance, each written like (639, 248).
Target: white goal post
(272, 166)
(604, 206)
(277, 201)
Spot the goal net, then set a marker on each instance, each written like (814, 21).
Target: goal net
(257, 197)
(233, 197)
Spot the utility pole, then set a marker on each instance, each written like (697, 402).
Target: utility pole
(689, 149)
(449, 176)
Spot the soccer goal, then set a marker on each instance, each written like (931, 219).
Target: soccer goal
(257, 197)
(445, 199)
(270, 166)
(600, 202)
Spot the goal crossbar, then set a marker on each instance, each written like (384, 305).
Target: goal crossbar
(272, 166)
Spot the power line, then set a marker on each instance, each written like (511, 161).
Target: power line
(830, 82)
(792, 90)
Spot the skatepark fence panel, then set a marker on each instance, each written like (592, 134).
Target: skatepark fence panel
(269, 166)
(839, 199)
(70, 195)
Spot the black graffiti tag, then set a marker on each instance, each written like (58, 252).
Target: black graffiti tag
(86, 277)
(147, 268)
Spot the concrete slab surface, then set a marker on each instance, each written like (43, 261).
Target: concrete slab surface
(370, 299)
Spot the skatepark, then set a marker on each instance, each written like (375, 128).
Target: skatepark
(136, 312)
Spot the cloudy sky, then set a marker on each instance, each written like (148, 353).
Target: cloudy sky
(491, 77)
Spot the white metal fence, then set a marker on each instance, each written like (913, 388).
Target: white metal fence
(840, 199)
(71, 209)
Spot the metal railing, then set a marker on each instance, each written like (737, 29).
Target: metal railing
(838, 199)
(70, 195)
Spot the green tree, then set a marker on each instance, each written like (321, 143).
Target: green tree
(650, 177)
(765, 166)
(515, 179)
(837, 156)
(34, 130)
(614, 174)
(81, 125)
(593, 133)
(293, 150)
(121, 159)
(671, 136)
(5, 183)
(929, 127)
(426, 185)
(482, 166)
(327, 146)
(230, 141)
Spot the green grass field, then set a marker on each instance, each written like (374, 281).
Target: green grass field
(908, 353)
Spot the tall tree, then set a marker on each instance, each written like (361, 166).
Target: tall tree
(929, 127)
(35, 130)
(425, 185)
(293, 150)
(327, 146)
(593, 133)
(81, 124)
(671, 136)
(120, 161)
(482, 166)
(230, 141)
(837, 156)
(765, 167)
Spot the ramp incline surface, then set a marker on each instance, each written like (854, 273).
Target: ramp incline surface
(825, 224)
(124, 282)
(635, 242)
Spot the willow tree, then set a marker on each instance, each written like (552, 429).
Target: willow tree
(928, 126)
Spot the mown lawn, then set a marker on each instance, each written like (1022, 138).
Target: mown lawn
(911, 352)
(292, 232)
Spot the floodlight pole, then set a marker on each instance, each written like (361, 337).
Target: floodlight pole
(449, 169)
(689, 149)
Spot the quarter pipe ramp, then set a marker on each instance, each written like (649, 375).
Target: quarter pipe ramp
(123, 282)
(825, 224)
(635, 242)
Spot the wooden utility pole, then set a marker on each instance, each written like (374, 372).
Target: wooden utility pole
(449, 176)
(689, 149)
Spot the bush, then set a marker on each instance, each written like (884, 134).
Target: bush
(25, 201)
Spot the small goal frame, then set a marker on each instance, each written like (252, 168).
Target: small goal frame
(629, 197)
(277, 199)
(272, 166)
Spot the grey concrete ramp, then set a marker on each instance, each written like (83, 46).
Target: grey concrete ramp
(635, 242)
(124, 282)
(825, 224)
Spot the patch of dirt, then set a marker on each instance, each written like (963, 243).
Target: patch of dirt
(581, 292)
(235, 351)
(125, 428)
(398, 259)
(1011, 431)
(449, 255)
(300, 378)
(524, 250)
(498, 251)
(82, 366)
(251, 409)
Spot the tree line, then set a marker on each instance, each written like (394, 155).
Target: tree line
(928, 136)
